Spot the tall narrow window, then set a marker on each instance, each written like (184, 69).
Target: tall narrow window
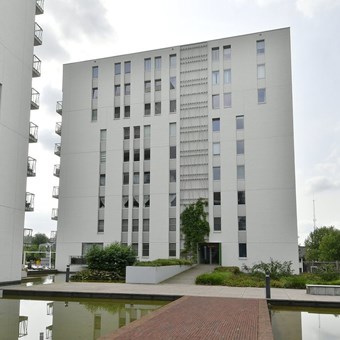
(147, 65)
(102, 157)
(100, 227)
(172, 176)
(136, 132)
(226, 52)
(147, 154)
(158, 84)
(147, 109)
(158, 63)
(215, 53)
(147, 86)
(125, 178)
(102, 202)
(241, 197)
(261, 71)
(172, 129)
(146, 201)
(136, 155)
(145, 249)
(103, 135)
(172, 83)
(242, 225)
(242, 250)
(173, 61)
(94, 115)
(173, 106)
(240, 147)
(146, 224)
(117, 90)
(146, 177)
(215, 101)
(102, 180)
(239, 122)
(216, 148)
(147, 131)
(172, 152)
(217, 223)
(172, 200)
(216, 124)
(216, 173)
(117, 112)
(127, 67)
(260, 47)
(127, 111)
(227, 99)
(158, 108)
(94, 72)
(117, 68)
(127, 89)
(172, 224)
(125, 202)
(227, 76)
(261, 96)
(217, 198)
(136, 178)
(95, 93)
(125, 225)
(172, 249)
(215, 77)
(126, 133)
(135, 225)
(126, 156)
(240, 172)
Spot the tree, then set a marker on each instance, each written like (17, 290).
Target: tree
(194, 226)
(330, 246)
(39, 238)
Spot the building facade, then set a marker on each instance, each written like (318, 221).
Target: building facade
(145, 134)
(19, 33)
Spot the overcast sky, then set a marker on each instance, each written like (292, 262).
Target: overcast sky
(87, 29)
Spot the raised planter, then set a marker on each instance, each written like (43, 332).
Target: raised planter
(332, 290)
(154, 275)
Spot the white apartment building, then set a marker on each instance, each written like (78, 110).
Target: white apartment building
(147, 133)
(19, 33)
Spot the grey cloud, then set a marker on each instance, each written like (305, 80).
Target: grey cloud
(52, 49)
(47, 138)
(321, 183)
(49, 98)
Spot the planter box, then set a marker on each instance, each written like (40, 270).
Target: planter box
(154, 275)
(330, 290)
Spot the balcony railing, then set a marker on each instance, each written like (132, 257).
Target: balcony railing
(78, 260)
(39, 7)
(36, 67)
(31, 166)
(28, 235)
(55, 192)
(38, 31)
(57, 149)
(53, 236)
(29, 204)
(35, 99)
(33, 134)
(54, 215)
(58, 128)
(56, 170)
(59, 107)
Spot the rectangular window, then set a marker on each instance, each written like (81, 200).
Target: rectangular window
(146, 177)
(215, 77)
(136, 133)
(101, 201)
(173, 61)
(227, 99)
(126, 133)
(239, 122)
(136, 178)
(102, 180)
(127, 67)
(216, 173)
(126, 156)
(240, 147)
(242, 223)
(158, 108)
(227, 52)
(125, 225)
(216, 124)
(95, 93)
(127, 89)
(261, 71)
(100, 227)
(117, 112)
(172, 129)
(172, 152)
(146, 201)
(125, 201)
(217, 198)
(147, 109)
(102, 157)
(260, 47)
(136, 200)
(135, 225)
(134, 247)
(217, 223)
(172, 200)
(147, 131)
(87, 246)
(241, 197)
(146, 224)
(94, 72)
(158, 63)
(145, 249)
(242, 249)
(103, 134)
(136, 155)
(172, 83)
(147, 65)
(172, 249)
(158, 84)
(240, 172)
(147, 154)
(127, 111)
(172, 224)
(216, 148)
(117, 90)
(215, 101)
(172, 106)
(117, 69)
(147, 86)
(172, 176)
(261, 96)
(227, 76)
(215, 54)
(94, 115)
(125, 178)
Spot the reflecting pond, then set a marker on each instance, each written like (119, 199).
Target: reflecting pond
(68, 319)
(305, 324)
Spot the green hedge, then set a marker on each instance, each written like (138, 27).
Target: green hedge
(90, 275)
(164, 262)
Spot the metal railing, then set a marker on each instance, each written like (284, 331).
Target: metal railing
(38, 32)
(29, 202)
(31, 166)
(59, 107)
(36, 72)
(35, 99)
(56, 170)
(58, 128)
(33, 133)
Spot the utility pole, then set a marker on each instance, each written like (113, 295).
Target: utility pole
(314, 219)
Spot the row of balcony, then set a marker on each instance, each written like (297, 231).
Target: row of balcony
(28, 236)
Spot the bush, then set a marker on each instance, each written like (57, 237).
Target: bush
(164, 262)
(231, 269)
(97, 275)
(294, 281)
(213, 279)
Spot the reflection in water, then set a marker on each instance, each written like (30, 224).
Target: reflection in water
(306, 324)
(72, 319)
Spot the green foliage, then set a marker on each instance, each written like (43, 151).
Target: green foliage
(194, 226)
(231, 269)
(164, 262)
(212, 279)
(113, 258)
(39, 238)
(329, 249)
(89, 275)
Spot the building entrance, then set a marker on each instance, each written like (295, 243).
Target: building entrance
(209, 253)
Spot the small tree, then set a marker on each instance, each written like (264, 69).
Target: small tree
(194, 226)
(329, 248)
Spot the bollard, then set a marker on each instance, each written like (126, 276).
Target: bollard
(67, 273)
(267, 286)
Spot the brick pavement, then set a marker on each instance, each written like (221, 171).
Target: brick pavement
(202, 318)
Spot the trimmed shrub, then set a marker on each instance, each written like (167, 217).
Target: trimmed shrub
(164, 262)
(212, 279)
(97, 275)
(231, 269)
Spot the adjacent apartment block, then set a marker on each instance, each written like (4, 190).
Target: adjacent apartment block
(19, 33)
(145, 134)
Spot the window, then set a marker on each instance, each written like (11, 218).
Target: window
(126, 178)
(102, 180)
(158, 84)
(135, 225)
(215, 54)
(158, 108)
(147, 65)
(95, 72)
(147, 154)
(134, 247)
(227, 99)
(216, 124)
(261, 71)
(173, 61)
(147, 109)
(172, 224)
(125, 201)
(136, 155)
(242, 249)
(147, 131)
(136, 130)
(100, 227)
(135, 201)
(239, 122)
(172, 129)
(147, 86)
(172, 83)
(227, 76)
(117, 112)
(242, 223)
(146, 177)
(158, 63)
(226, 52)
(145, 249)
(216, 173)
(216, 101)
(103, 134)
(125, 225)
(146, 201)
(101, 201)
(117, 68)
(172, 106)
(261, 96)
(240, 147)
(146, 224)
(216, 148)
(126, 156)
(94, 115)
(241, 197)
(240, 172)
(260, 46)
(172, 176)
(117, 90)
(172, 200)
(172, 249)
(126, 133)
(217, 198)
(172, 152)
(87, 246)
(102, 156)
(136, 178)
(215, 77)
(127, 89)
(95, 93)
(127, 111)
(217, 223)
(127, 67)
